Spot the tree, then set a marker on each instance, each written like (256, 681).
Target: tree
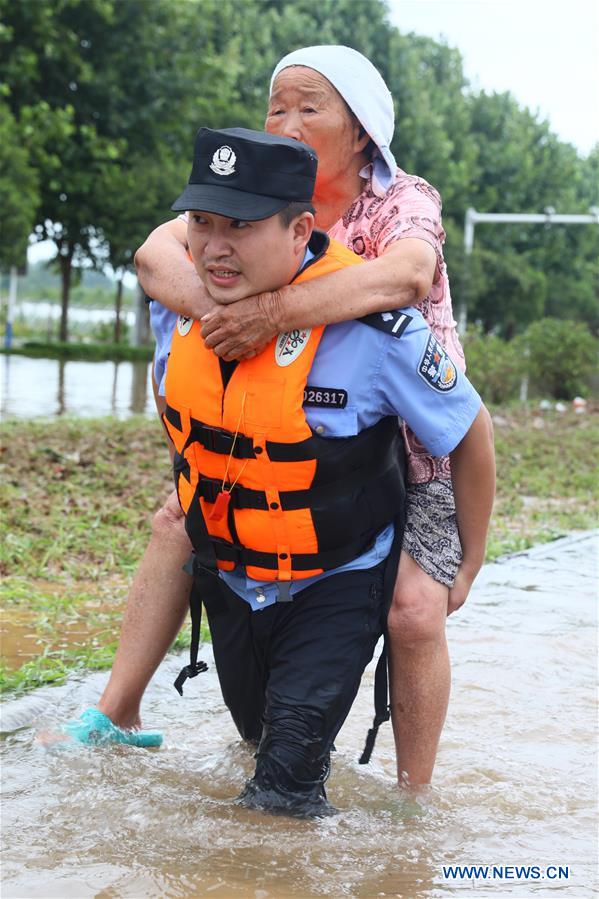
(139, 195)
(19, 195)
(102, 99)
(45, 44)
(521, 272)
(109, 81)
(432, 136)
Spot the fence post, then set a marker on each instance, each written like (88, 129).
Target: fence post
(10, 306)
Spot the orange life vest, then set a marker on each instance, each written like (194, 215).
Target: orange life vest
(274, 496)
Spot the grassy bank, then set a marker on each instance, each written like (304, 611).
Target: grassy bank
(78, 498)
(82, 352)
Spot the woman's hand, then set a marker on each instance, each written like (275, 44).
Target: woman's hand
(460, 590)
(240, 330)
(401, 276)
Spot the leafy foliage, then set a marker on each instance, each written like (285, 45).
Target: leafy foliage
(557, 356)
(19, 195)
(495, 367)
(561, 356)
(522, 272)
(101, 100)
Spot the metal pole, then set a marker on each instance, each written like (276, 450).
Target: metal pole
(10, 306)
(469, 225)
(549, 217)
(541, 218)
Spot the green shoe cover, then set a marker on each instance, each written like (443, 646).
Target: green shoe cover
(94, 728)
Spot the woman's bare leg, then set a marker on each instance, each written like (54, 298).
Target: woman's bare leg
(419, 670)
(155, 610)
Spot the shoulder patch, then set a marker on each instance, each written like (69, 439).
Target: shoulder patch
(290, 344)
(393, 323)
(436, 368)
(184, 325)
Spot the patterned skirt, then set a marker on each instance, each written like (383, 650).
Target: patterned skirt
(431, 536)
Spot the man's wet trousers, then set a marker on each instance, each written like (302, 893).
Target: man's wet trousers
(289, 675)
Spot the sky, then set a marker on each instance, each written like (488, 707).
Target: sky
(546, 52)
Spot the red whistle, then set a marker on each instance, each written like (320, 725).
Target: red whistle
(220, 507)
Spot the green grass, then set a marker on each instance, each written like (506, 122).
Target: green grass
(78, 497)
(82, 352)
(547, 482)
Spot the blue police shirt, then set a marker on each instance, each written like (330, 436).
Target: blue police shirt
(360, 374)
(163, 322)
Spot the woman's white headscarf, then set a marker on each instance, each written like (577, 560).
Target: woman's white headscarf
(365, 92)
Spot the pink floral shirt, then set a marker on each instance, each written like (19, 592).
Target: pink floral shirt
(410, 208)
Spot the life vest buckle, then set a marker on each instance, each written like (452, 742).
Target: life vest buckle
(217, 441)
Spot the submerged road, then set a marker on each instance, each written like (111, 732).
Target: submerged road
(515, 786)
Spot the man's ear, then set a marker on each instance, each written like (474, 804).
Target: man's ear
(302, 226)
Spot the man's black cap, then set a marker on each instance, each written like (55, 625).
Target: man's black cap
(249, 175)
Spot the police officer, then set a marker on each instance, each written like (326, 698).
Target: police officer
(289, 466)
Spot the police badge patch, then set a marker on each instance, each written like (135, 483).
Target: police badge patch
(436, 368)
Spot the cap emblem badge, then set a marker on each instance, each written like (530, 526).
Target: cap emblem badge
(223, 161)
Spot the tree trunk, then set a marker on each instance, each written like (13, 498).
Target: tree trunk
(118, 308)
(66, 270)
(141, 332)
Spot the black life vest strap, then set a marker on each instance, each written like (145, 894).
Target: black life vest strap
(290, 500)
(202, 566)
(382, 709)
(326, 559)
(225, 443)
(195, 667)
(240, 446)
(173, 417)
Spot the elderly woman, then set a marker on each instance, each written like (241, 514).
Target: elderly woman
(333, 99)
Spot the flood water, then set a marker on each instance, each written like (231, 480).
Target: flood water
(515, 782)
(40, 311)
(41, 388)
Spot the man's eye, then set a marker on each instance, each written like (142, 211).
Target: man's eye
(198, 219)
(308, 109)
(239, 223)
(274, 112)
